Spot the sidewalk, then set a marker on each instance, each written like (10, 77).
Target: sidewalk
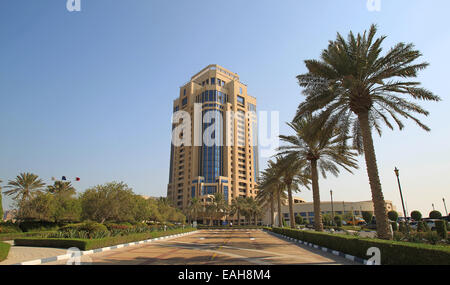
(25, 253)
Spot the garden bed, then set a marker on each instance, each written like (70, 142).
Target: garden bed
(88, 244)
(392, 252)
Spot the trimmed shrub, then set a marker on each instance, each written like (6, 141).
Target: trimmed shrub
(402, 227)
(88, 244)
(35, 226)
(4, 250)
(416, 215)
(338, 221)
(393, 215)
(441, 229)
(422, 226)
(435, 215)
(392, 252)
(394, 226)
(9, 227)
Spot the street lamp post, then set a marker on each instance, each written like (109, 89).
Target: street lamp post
(401, 195)
(445, 206)
(432, 205)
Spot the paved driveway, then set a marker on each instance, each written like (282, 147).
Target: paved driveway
(224, 247)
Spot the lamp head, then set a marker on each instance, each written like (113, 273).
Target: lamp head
(396, 171)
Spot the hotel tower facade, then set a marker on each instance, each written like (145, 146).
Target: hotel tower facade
(199, 168)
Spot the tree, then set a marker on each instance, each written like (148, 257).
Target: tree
(24, 187)
(238, 207)
(293, 175)
(435, 215)
(66, 209)
(268, 189)
(355, 85)
(112, 201)
(367, 216)
(195, 208)
(40, 207)
(219, 206)
(61, 188)
(416, 215)
(298, 220)
(1, 204)
(324, 148)
(393, 216)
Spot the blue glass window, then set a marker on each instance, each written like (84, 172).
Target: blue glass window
(213, 81)
(184, 102)
(240, 100)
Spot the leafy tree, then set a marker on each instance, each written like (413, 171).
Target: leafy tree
(113, 201)
(324, 148)
(393, 215)
(66, 209)
(435, 215)
(24, 187)
(327, 220)
(356, 86)
(416, 215)
(40, 207)
(367, 216)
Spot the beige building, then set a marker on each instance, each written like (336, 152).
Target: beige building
(306, 209)
(213, 96)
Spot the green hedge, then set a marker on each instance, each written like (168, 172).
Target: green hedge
(392, 252)
(88, 244)
(205, 227)
(4, 250)
(11, 236)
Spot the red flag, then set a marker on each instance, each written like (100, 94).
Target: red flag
(77, 178)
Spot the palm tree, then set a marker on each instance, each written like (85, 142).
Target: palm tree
(355, 85)
(237, 208)
(293, 175)
(276, 169)
(324, 148)
(219, 205)
(267, 192)
(195, 208)
(61, 188)
(24, 187)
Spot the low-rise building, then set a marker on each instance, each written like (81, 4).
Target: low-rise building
(306, 209)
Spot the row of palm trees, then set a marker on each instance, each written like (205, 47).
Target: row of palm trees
(218, 208)
(350, 91)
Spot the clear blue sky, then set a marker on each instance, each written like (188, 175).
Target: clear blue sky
(90, 93)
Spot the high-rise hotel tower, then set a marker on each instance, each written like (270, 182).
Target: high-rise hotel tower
(199, 169)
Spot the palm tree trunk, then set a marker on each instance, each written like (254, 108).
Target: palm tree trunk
(383, 230)
(239, 218)
(280, 222)
(272, 210)
(318, 226)
(291, 207)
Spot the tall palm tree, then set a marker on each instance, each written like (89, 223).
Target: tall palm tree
(195, 208)
(324, 148)
(355, 85)
(24, 187)
(61, 188)
(276, 179)
(219, 205)
(293, 175)
(267, 192)
(237, 208)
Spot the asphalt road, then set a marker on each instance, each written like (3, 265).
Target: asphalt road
(215, 247)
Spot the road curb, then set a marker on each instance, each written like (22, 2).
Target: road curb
(335, 252)
(87, 252)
